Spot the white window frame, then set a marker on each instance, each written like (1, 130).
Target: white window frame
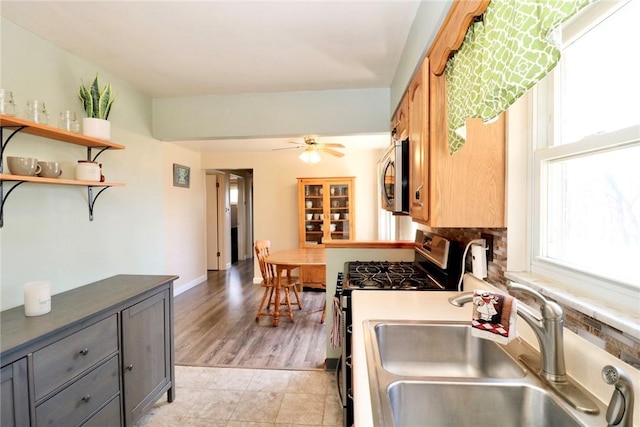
(585, 292)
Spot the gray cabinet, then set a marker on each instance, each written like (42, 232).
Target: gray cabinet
(101, 357)
(145, 354)
(14, 390)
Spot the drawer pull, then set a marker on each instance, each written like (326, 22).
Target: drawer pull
(130, 368)
(86, 398)
(84, 351)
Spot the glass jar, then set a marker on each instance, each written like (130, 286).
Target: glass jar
(7, 105)
(37, 112)
(69, 122)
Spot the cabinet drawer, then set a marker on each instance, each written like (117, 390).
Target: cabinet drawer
(109, 416)
(62, 361)
(80, 399)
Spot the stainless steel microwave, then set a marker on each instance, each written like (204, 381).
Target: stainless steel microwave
(394, 175)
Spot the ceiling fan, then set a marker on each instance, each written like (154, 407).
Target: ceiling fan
(312, 148)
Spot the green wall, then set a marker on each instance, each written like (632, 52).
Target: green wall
(47, 234)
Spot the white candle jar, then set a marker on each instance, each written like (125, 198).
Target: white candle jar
(37, 298)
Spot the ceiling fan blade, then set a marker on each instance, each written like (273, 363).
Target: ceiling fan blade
(333, 145)
(286, 148)
(331, 151)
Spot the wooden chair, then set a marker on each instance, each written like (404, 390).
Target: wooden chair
(269, 282)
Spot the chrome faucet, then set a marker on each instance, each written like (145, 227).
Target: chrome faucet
(547, 327)
(548, 330)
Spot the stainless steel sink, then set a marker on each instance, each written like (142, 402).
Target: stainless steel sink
(437, 374)
(415, 403)
(441, 350)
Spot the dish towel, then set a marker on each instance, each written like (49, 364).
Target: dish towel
(336, 329)
(494, 316)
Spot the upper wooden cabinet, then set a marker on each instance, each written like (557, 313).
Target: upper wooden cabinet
(467, 189)
(400, 120)
(325, 210)
(418, 95)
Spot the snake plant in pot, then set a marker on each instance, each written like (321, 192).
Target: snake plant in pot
(97, 105)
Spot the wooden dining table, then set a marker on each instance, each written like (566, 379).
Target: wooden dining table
(288, 260)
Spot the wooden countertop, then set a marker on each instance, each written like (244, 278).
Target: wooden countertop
(370, 244)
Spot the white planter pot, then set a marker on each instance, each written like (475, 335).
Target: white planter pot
(96, 128)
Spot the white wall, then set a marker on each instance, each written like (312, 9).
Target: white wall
(275, 189)
(184, 219)
(47, 233)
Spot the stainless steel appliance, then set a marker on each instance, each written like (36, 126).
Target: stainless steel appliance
(436, 267)
(394, 175)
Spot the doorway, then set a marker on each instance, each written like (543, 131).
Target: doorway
(229, 217)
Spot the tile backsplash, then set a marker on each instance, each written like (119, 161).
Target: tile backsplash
(600, 334)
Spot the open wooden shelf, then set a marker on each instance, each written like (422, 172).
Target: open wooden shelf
(17, 126)
(58, 181)
(50, 132)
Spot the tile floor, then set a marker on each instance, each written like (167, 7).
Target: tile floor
(238, 397)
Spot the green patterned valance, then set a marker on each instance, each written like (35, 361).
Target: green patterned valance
(502, 56)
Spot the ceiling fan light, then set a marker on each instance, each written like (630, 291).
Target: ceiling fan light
(310, 156)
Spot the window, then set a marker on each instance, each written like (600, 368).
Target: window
(586, 226)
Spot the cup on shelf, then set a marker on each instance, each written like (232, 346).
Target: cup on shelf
(308, 204)
(345, 216)
(320, 216)
(26, 166)
(309, 217)
(335, 216)
(49, 169)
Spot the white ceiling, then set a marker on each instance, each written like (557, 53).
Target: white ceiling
(193, 48)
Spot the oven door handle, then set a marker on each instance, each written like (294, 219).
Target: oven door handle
(339, 379)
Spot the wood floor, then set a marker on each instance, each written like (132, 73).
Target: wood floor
(215, 326)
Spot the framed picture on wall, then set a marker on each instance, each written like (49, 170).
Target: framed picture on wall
(181, 175)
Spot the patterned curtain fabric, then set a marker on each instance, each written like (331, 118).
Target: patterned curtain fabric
(502, 56)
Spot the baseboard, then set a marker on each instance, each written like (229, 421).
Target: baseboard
(187, 286)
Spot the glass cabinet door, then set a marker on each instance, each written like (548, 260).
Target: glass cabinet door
(314, 213)
(325, 210)
(339, 211)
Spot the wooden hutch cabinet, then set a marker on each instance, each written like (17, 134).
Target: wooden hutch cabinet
(325, 210)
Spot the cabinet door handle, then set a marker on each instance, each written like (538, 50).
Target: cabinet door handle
(86, 398)
(84, 351)
(129, 367)
(418, 202)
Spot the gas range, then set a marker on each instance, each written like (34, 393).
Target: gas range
(389, 275)
(436, 267)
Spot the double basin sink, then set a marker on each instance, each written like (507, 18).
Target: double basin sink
(438, 374)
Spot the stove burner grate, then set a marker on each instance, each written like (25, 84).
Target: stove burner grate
(389, 275)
